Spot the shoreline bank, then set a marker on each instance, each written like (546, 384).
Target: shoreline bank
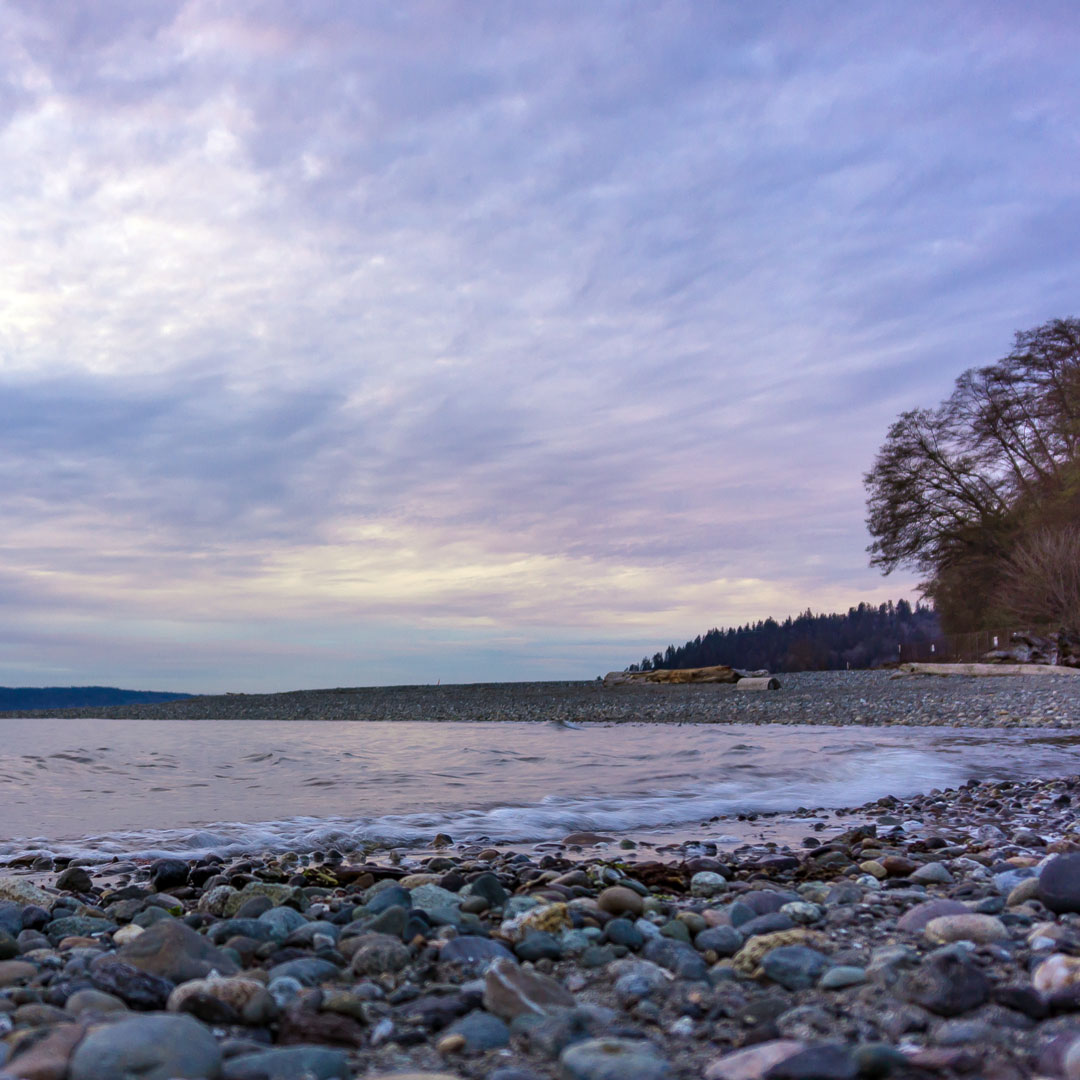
(914, 944)
(873, 698)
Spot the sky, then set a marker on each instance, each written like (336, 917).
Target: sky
(348, 344)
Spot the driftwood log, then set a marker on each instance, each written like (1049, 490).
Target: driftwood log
(721, 673)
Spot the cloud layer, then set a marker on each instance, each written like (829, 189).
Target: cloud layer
(353, 343)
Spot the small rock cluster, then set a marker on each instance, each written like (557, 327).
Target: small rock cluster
(941, 938)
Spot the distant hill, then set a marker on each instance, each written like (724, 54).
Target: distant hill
(14, 698)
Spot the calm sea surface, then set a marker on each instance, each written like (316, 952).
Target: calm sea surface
(106, 787)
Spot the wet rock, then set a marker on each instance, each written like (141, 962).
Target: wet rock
(933, 873)
(166, 874)
(639, 979)
(93, 1001)
(281, 920)
(1056, 975)
(538, 946)
(623, 932)
(75, 879)
(705, 883)
(176, 952)
(248, 999)
(946, 985)
(13, 972)
(915, 919)
(378, 954)
(619, 900)
(795, 967)
(473, 952)
(77, 926)
(138, 989)
(981, 929)
(677, 957)
(753, 1062)
(310, 1062)
(1059, 883)
(510, 991)
(147, 1048)
(827, 1061)
(843, 975)
(21, 891)
(48, 1058)
(612, 1059)
(771, 922)
(306, 970)
(481, 1031)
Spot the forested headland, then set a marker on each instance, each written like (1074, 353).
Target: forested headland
(866, 636)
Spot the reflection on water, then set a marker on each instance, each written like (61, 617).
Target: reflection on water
(183, 786)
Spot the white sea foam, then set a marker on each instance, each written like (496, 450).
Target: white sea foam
(105, 788)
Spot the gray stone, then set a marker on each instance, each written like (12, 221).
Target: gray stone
(490, 888)
(915, 919)
(945, 984)
(288, 1063)
(281, 920)
(624, 932)
(538, 945)
(431, 898)
(510, 991)
(827, 1061)
(255, 929)
(932, 873)
(378, 954)
(795, 967)
(753, 1062)
(392, 920)
(681, 959)
(836, 978)
(156, 1047)
(11, 920)
(174, 951)
(640, 979)
(306, 970)
(481, 1031)
(722, 940)
(981, 929)
(77, 926)
(136, 988)
(1059, 883)
(612, 1059)
(770, 923)
(474, 952)
(75, 879)
(392, 896)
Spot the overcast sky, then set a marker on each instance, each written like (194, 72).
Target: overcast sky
(348, 343)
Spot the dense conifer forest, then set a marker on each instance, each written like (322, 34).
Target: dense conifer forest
(867, 636)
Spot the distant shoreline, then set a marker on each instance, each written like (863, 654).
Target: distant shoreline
(832, 697)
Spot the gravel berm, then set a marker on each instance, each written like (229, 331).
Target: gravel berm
(827, 697)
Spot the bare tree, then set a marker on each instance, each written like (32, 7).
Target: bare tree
(954, 490)
(1042, 582)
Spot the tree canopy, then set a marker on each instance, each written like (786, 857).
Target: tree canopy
(966, 491)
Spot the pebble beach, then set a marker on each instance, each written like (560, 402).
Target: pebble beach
(931, 936)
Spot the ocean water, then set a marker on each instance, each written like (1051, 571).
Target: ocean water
(155, 787)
